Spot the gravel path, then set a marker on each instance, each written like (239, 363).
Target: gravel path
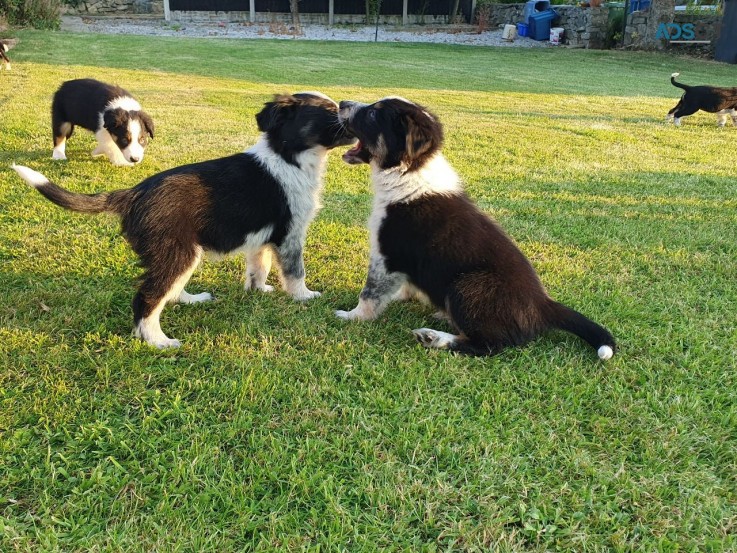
(359, 33)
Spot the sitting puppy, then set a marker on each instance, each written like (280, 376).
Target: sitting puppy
(4, 47)
(425, 232)
(722, 101)
(248, 202)
(117, 120)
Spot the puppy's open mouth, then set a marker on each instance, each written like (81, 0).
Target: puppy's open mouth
(357, 154)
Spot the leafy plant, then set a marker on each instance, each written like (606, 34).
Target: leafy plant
(40, 14)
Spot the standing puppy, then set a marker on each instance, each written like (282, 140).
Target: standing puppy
(122, 129)
(425, 232)
(722, 101)
(265, 197)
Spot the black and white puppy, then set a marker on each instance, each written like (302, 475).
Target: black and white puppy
(251, 203)
(722, 101)
(426, 234)
(121, 127)
(4, 47)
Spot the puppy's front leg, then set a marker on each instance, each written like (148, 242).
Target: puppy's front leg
(258, 265)
(292, 270)
(380, 288)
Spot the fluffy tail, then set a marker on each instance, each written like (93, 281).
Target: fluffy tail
(111, 202)
(565, 318)
(674, 83)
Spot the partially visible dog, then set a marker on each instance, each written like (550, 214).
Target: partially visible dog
(121, 127)
(246, 203)
(5, 45)
(714, 99)
(426, 233)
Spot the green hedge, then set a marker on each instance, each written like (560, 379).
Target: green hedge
(41, 14)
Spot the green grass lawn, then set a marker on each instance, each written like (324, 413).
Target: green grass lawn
(277, 427)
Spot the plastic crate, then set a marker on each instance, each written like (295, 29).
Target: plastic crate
(522, 29)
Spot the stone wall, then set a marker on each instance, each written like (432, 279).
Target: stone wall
(584, 27)
(113, 7)
(641, 33)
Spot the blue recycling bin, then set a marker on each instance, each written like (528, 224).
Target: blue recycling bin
(639, 5)
(540, 23)
(533, 7)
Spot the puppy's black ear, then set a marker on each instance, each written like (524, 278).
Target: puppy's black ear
(114, 118)
(424, 136)
(273, 113)
(148, 123)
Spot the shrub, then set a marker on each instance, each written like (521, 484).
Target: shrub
(41, 14)
(614, 29)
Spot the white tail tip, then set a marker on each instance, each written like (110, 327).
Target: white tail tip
(33, 178)
(674, 75)
(605, 352)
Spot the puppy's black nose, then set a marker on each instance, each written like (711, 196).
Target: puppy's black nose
(134, 159)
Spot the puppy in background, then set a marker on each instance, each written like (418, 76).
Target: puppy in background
(121, 127)
(5, 45)
(426, 234)
(256, 202)
(713, 99)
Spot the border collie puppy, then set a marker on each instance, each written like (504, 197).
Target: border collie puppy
(722, 101)
(426, 234)
(247, 203)
(3, 54)
(122, 129)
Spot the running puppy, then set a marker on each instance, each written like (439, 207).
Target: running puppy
(426, 234)
(246, 203)
(722, 101)
(121, 127)
(4, 47)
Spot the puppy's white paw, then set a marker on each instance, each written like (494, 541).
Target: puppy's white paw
(165, 343)
(304, 295)
(345, 315)
(433, 338)
(184, 297)
(262, 287)
(59, 156)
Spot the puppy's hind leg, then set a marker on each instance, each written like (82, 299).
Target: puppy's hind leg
(436, 339)
(163, 282)
(258, 265)
(61, 131)
(669, 116)
(681, 112)
(722, 117)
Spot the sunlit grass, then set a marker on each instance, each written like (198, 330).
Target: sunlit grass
(278, 427)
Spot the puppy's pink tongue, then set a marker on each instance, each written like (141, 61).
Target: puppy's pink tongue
(351, 156)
